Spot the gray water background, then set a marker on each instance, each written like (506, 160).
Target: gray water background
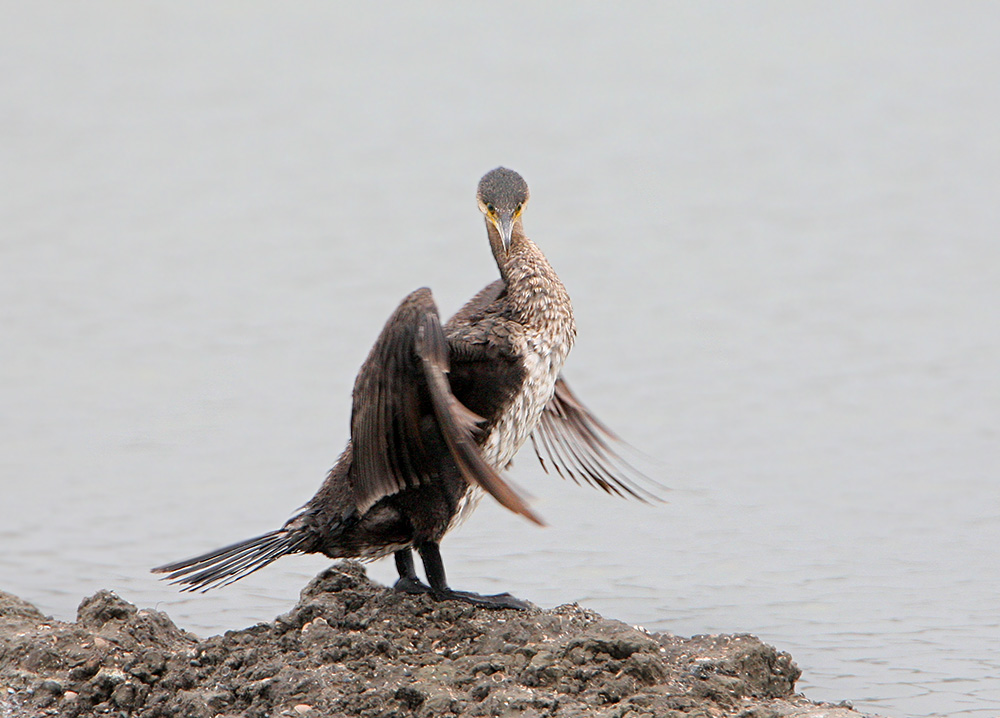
(778, 222)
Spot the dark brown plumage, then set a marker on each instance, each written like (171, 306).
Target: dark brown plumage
(438, 412)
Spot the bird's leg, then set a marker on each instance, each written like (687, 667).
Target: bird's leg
(408, 581)
(430, 554)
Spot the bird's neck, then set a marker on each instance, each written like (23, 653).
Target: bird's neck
(523, 253)
(533, 287)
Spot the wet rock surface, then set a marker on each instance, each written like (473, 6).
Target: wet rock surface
(354, 648)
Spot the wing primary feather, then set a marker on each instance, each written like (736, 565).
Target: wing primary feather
(386, 425)
(595, 465)
(590, 473)
(597, 473)
(541, 459)
(579, 446)
(559, 462)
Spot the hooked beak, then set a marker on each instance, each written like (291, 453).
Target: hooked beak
(505, 226)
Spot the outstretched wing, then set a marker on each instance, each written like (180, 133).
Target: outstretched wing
(405, 415)
(578, 446)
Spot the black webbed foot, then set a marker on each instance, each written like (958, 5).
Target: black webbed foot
(410, 584)
(498, 600)
(408, 581)
(438, 587)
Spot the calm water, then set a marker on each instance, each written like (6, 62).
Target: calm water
(778, 224)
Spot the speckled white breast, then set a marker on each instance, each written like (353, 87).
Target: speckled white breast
(515, 425)
(542, 366)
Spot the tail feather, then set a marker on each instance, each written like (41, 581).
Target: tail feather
(231, 563)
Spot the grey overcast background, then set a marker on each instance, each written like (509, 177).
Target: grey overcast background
(778, 222)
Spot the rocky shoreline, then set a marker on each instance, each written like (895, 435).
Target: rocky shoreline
(354, 648)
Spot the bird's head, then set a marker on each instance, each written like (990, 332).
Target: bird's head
(502, 195)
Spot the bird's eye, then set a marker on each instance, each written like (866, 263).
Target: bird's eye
(491, 208)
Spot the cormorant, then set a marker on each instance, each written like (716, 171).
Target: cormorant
(438, 412)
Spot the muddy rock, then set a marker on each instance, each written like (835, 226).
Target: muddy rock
(354, 648)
